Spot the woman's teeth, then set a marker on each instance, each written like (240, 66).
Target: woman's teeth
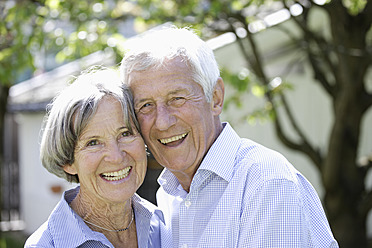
(117, 175)
(172, 139)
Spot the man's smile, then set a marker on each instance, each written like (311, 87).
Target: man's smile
(172, 139)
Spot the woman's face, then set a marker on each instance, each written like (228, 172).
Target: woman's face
(110, 161)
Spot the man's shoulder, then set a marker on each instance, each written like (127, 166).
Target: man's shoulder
(265, 163)
(247, 149)
(258, 152)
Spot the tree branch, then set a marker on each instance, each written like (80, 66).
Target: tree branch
(320, 75)
(256, 64)
(301, 147)
(368, 102)
(367, 12)
(365, 204)
(304, 144)
(321, 44)
(246, 56)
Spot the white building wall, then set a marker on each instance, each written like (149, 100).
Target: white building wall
(37, 198)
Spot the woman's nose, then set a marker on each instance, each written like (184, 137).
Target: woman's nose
(114, 154)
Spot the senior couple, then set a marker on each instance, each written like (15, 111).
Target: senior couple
(217, 189)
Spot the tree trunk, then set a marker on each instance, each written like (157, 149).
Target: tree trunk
(343, 179)
(4, 92)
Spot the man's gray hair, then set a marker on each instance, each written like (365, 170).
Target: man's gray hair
(151, 50)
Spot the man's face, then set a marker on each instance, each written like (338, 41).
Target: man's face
(177, 122)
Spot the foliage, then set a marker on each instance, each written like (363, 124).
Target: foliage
(12, 240)
(69, 29)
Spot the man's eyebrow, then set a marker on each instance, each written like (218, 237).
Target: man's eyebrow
(173, 92)
(177, 91)
(141, 100)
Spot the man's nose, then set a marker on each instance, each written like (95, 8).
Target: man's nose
(164, 118)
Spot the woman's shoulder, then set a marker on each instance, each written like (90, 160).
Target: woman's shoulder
(43, 236)
(144, 206)
(40, 238)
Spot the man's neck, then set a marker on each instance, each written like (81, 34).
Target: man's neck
(184, 179)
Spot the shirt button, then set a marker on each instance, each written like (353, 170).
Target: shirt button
(184, 246)
(187, 204)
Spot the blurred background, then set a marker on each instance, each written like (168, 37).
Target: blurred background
(298, 78)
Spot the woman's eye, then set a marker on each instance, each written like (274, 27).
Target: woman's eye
(93, 143)
(126, 136)
(126, 133)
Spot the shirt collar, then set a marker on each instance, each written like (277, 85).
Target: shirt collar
(146, 208)
(148, 218)
(219, 159)
(66, 223)
(221, 156)
(64, 218)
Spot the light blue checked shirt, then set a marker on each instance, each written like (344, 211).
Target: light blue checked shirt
(242, 195)
(66, 229)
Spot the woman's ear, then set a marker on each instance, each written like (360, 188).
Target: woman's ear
(70, 169)
(218, 97)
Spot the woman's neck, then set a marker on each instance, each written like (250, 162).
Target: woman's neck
(112, 216)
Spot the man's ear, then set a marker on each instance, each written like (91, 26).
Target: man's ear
(218, 97)
(70, 169)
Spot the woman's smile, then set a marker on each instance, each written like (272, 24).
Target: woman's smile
(117, 175)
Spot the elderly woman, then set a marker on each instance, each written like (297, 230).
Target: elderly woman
(91, 137)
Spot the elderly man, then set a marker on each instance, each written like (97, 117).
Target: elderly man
(217, 189)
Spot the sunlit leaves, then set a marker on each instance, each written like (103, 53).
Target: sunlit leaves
(16, 35)
(261, 115)
(69, 29)
(258, 90)
(52, 4)
(354, 6)
(245, 84)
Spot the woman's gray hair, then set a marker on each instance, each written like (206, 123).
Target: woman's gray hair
(151, 51)
(71, 110)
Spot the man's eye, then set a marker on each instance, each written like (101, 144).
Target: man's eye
(146, 108)
(146, 105)
(178, 101)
